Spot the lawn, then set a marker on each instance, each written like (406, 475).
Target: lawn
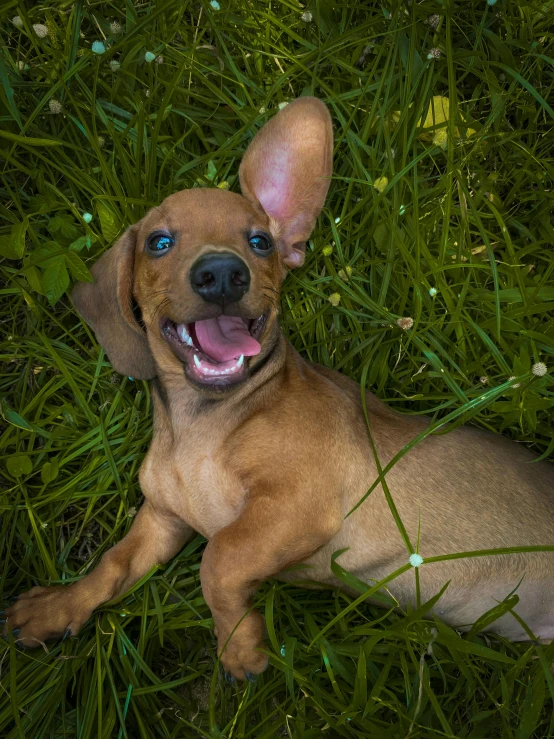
(429, 278)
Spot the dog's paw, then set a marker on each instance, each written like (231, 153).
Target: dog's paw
(241, 654)
(44, 613)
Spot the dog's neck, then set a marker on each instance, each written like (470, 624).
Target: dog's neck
(178, 402)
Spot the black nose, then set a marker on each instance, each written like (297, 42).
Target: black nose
(220, 278)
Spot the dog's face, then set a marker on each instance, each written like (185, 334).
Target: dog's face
(204, 269)
(207, 279)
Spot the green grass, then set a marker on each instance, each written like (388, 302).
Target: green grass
(460, 240)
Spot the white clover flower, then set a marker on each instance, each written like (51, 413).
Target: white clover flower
(516, 384)
(87, 217)
(434, 53)
(345, 273)
(484, 380)
(416, 560)
(115, 28)
(337, 219)
(307, 17)
(215, 5)
(149, 57)
(16, 20)
(40, 29)
(98, 47)
(22, 66)
(115, 65)
(434, 20)
(380, 183)
(405, 323)
(282, 105)
(262, 110)
(433, 291)
(55, 106)
(539, 369)
(159, 60)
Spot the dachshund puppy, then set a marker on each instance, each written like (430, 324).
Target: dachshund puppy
(264, 453)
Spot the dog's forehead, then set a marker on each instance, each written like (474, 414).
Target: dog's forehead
(205, 214)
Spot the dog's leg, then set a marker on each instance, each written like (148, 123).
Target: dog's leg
(270, 535)
(45, 613)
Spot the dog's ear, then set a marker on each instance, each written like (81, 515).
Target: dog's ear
(107, 306)
(286, 170)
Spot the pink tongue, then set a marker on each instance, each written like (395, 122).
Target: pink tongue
(225, 338)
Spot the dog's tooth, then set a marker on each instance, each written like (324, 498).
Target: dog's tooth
(240, 360)
(197, 362)
(184, 334)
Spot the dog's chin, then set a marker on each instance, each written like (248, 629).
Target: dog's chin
(202, 370)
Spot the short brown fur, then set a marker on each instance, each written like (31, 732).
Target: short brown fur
(268, 470)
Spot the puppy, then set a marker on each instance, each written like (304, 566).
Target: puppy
(264, 453)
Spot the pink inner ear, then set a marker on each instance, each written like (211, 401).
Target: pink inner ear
(274, 186)
(295, 258)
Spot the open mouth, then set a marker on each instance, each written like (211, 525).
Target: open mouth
(215, 351)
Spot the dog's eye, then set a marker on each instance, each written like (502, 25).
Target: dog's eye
(261, 244)
(159, 243)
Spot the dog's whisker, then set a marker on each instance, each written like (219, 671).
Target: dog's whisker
(163, 304)
(271, 300)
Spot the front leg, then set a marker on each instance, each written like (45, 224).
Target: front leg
(46, 613)
(271, 534)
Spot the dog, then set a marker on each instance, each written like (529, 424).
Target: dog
(266, 454)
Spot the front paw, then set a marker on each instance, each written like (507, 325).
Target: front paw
(45, 613)
(240, 650)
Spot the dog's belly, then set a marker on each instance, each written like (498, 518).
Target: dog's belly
(460, 507)
(476, 584)
(192, 483)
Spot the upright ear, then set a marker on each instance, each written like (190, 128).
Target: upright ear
(106, 305)
(287, 169)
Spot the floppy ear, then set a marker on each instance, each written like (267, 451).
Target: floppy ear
(286, 170)
(106, 305)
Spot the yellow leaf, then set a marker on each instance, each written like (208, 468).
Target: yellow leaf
(438, 113)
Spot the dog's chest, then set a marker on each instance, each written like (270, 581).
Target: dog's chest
(192, 480)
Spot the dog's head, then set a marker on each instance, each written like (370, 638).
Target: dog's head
(203, 270)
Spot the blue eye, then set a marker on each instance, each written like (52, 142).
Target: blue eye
(159, 243)
(261, 244)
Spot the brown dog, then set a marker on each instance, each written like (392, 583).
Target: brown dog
(264, 453)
